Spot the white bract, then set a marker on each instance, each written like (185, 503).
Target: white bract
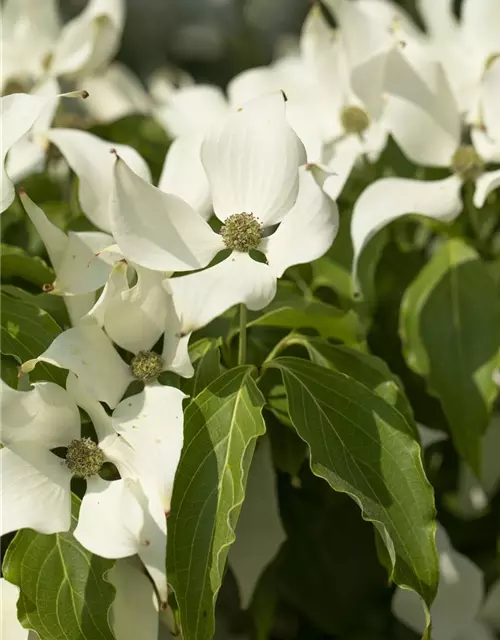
(79, 271)
(119, 518)
(460, 610)
(467, 47)
(252, 163)
(390, 198)
(20, 113)
(136, 316)
(35, 45)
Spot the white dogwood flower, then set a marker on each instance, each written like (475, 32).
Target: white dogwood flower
(28, 155)
(79, 272)
(460, 610)
(36, 45)
(252, 163)
(143, 439)
(467, 47)
(92, 161)
(390, 198)
(29, 30)
(136, 316)
(19, 114)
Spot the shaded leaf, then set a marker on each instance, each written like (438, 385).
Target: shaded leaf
(363, 446)
(450, 326)
(16, 263)
(54, 305)
(205, 356)
(25, 333)
(220, 428)
(291, 310)
(64, 593)
(363, 367)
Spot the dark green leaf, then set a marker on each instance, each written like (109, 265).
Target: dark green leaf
(64, 593)
(26, 332)
(54, 305)
(205, 356)
(291, 310)
(16, 263)
(221, 426)
(450, 326)
(10, 371)
(363, 367)
(363, 446)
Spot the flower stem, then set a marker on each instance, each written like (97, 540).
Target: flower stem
(242, 346)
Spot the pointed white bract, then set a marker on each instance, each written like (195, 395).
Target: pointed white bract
(390, 198)
(19, 112)
(252, 162)
(158, 230)
(92, 161)
(89, 41)
(88, 352)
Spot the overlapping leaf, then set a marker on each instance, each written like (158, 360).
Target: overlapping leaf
(221, 426)
(450, 325)
(361, 445)
(26, 332)
(64, 593)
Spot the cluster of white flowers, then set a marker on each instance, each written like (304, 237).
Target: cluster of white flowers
(268, 160)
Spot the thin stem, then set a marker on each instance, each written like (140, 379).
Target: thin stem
(242, 346)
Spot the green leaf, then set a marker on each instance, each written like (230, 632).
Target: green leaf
(25, 333)
(220, 429)
(16, 263)
(205, 356)
(450, 326)
(64, 593)
(291, 310)
(363, 367)
(54, 305)
(9, 371)
(363, 446)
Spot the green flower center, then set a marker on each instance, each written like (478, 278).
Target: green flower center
(467, 163)
(241, 232)
(146, 365)
(84, 458)
(354, 119)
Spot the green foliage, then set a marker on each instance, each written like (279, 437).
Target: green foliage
(26, 331)
(450, 326)
(17, 264)
(64, 591)
(220, 430)
(363, 446)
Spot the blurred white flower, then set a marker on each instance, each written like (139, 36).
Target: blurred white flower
(474, 493)
(460, 610)
(467, 47)
(37, 45)
(21, 114)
